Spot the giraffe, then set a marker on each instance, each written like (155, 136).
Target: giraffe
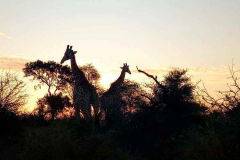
(111, 99)
(84, 94)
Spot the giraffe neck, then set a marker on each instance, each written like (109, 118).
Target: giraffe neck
(117, 84)
(77, 73)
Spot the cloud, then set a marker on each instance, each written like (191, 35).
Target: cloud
(5, 35)
(12, 63)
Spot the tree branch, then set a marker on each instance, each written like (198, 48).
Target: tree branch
(151, 76)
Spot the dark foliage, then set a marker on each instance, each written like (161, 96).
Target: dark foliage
(10, 128)
(52, 104)
(156, 126)
(167, 123)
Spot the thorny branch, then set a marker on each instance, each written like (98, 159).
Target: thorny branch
(151, 76)
(226, 99)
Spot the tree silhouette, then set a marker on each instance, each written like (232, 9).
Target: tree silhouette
(226, 100)
(172, 110)
(12, 92)
(177, 88)
(52, 104)
(173, 90)
(50, 73)
(133, 96)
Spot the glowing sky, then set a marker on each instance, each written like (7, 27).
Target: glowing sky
(202, 35)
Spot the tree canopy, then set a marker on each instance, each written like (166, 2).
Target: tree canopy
(52, 74)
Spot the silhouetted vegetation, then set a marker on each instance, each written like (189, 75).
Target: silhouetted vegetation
(168, 119)
(52, 104)
(12, 92)
(53, 75)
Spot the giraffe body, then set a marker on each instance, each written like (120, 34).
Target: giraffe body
(84, 94)
(111, 100)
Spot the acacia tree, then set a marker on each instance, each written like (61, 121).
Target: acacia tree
(178, 90)
(174, 97)
(52, 74)
(12, 92)
(174, 89)
(55, 77)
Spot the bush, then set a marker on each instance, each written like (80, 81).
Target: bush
(63, 139)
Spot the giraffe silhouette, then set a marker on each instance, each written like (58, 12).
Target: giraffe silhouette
(111, 99)
(84, 94)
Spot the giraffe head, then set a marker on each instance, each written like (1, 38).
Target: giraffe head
(68, 54)
(125, 68)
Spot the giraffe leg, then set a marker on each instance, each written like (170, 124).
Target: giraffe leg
(105, 108)
(96, 108)
(86, 110)
(102, 108)
(77, 112)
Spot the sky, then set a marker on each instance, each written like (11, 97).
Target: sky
(155, 35)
